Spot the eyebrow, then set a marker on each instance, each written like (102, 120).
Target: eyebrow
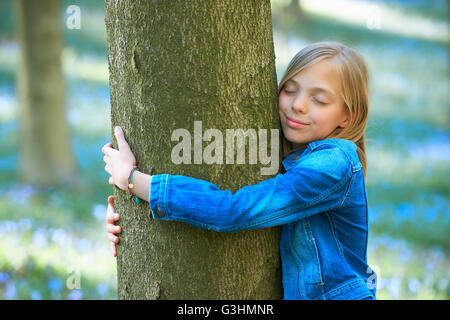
(326, 90)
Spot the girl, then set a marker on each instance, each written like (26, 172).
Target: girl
(320, 196)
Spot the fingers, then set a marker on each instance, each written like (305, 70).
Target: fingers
(111, 201)
(112, 229)
(111, 215)
(111, 181)
(120, 137)
(113, 238)
(113, 249)
(112, 218)
(107, 159)
(108, 150)
(114, 241)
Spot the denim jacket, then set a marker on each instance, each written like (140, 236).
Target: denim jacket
(320, 201)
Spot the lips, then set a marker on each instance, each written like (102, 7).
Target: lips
(295, 123)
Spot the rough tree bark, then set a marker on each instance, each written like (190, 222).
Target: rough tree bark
(45, 153)
(172, 63)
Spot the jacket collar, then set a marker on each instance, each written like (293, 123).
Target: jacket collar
(289, 161)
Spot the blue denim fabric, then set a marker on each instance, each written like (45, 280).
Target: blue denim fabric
(321, 203)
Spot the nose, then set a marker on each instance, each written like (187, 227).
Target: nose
(300, 103)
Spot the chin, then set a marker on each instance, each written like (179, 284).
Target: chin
(297, 140)
(301, 142)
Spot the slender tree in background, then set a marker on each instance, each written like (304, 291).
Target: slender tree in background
(172, 63)
(295, 9)
(45, 154)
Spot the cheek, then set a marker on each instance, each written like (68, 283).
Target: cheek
(324, 121)
(320, 119)
(282, 101)
(317, 117)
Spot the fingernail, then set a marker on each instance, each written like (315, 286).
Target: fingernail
(116, 129)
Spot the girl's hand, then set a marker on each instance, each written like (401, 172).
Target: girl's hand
(111, 228)
(119, 163)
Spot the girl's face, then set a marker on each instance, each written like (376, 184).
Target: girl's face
(310, 104)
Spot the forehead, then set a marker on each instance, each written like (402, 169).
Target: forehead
(321, 75)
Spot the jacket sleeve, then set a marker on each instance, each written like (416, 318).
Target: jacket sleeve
(316, 184)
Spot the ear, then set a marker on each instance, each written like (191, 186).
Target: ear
(345, 119)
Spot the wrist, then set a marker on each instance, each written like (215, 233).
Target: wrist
(125, 180)
(141, 185)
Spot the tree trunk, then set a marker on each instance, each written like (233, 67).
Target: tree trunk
(45, 153)
(172, 63)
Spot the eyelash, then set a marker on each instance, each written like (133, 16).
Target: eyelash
(315, 99)
(319, 102)
(288, 92)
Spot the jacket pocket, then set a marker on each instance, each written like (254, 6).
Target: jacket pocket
(310, 279)
(353, 289)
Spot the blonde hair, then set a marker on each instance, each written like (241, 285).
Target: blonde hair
(352, 69)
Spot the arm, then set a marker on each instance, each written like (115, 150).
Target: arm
(141, 182)
(317, 184)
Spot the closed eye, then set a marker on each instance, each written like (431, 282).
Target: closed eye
(319, 101)
(288, 91)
